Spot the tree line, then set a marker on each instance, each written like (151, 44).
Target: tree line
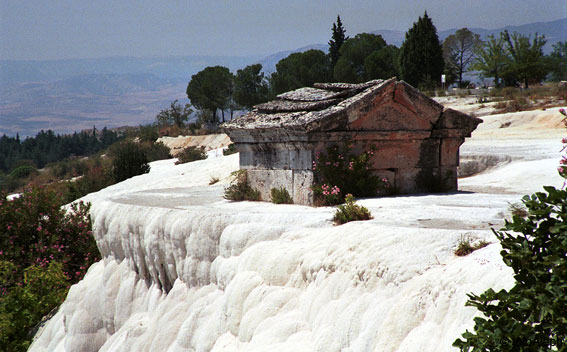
(510, 59)
(47, 147)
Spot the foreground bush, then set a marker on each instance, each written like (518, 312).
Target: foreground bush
(350, 211)
(43, 250)
(129, 160)
(190, 154)
(239, 189)
(532, 315)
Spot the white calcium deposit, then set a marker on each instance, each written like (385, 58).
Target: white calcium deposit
(186, 270)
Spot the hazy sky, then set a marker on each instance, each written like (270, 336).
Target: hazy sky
(59, 29)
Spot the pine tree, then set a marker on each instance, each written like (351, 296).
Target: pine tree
(421, 55)
(338, 38)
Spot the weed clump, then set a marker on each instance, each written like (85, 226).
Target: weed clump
(466, 246)
(350, 211)
(213, 180)
(280, 196)
(239, 188)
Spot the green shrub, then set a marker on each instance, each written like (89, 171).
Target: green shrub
(531, 316)
(239, 188)
(148, 133)
(23, 172)
(231, 149)
(190, 154)
(129, 160)
(23, 306)
(156, 151)
(97, 177)
(43, 250)
(340, 172)
(350, 211)
(466, 246)
(280, 196)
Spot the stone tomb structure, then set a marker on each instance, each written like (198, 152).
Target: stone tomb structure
(417, 139)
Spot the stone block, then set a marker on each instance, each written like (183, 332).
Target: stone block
(302, 182)
(265, 180)
(449, 153)
(405, 154)
(426, 180)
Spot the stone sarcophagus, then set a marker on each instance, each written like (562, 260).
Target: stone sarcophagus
(417, 140)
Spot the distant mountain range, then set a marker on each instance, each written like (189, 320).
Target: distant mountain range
(554, 32)
(69, 95)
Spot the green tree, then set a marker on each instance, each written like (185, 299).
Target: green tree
(250, 86)
(459, 51)
(336, 42)
(532, 315)
(528, 62)
(558, 62)
(351, 65)
(491, 59)
(300, 70)
(382, 63)
(176, 115)
(421, 56)
(211, 89)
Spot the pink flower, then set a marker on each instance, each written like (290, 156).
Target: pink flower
(562, 112)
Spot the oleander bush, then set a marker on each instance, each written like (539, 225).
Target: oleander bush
(43, 250)
(340, 171)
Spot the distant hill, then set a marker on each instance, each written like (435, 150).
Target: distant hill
(554, 32)
(178, 68)
(269, 62)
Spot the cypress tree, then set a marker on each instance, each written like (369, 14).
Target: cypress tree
(338, 38)
(421, 55)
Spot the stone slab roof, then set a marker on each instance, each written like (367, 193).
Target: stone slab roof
(298, 108)
(378, 105)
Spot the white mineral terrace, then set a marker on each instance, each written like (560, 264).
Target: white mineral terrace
(186, 270)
